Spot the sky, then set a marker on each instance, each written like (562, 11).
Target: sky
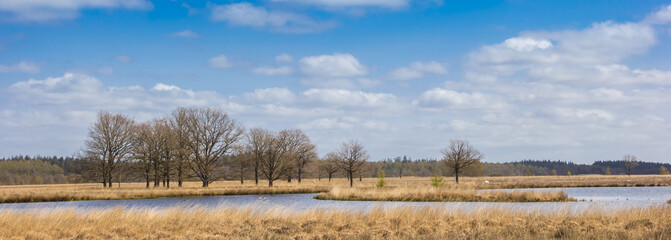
(566, 80)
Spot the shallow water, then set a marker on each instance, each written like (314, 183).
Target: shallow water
(606, 198)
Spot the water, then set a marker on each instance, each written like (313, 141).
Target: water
(606, 198)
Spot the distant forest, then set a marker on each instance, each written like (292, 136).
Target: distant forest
(53, 170)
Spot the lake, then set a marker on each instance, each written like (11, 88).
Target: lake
(607, 198)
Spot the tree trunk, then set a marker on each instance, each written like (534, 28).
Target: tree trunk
(148, 180)
(270, 182)
(456, 175)
(256, 173)
(105, 182)
(206, 183)
(351, 179)
(330, 176)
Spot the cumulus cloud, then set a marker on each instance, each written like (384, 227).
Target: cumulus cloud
(48, 10)
(439, 97)
(185, 34)
(246, 14)
(663, 16)
(219, 61)
(21, 67)
(335, 65)
(419, 70)
(352, 3)
(272, 95)
(273, 71)
(350, 98)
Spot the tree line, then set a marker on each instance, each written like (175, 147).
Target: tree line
(206, 144)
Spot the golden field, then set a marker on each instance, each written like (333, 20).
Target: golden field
(391, 223)
(431, 194)
(94, 191)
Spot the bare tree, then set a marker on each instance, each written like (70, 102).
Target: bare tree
(240, 162)
(168, 146)
(211, 133)
(630, 162)
(460, 155)
(109, 142)
(179, 126)
(328, 165)
(146, 150)
(352, 159)
(256, 146)
(304, 153)
(276, 160)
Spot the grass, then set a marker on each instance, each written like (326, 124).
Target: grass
(389, 223)
(430, 194)
(91, 191)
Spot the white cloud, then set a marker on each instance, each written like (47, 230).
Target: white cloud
(47, 10)
(352, 3)
(272, 95)
(419, 70)
(325, 123)
(246, 14)
(273, 71)
(439, 97)
(336, 65)
(284, 58)
(185, 34)
(526, 44)
(341, 97)
(663, 16)
(124, 58)
(22, 67)
(219, 61)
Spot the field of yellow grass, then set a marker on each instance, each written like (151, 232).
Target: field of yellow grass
(93, 191)
(431, 194)
(395, 223)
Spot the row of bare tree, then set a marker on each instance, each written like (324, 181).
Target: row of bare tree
(203, 142)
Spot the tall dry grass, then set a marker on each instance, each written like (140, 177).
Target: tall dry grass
(431, 194)
(70, 192)
(396, 223)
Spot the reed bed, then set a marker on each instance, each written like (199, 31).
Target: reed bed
(430, 194)
(94, 191)
(78, 192)
(389, 223)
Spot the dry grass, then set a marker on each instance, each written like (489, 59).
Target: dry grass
(76, 192)
(70, 192)
(395, 223)
(430, 194)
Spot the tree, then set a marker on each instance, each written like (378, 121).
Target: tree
(239, 162)
(304, 153)
(608, 171)
(110, 141)
(146, 150)
(553, 172)
(329, 164)
(380, 178)
(352, 159)
(630, 162)
(400, 165)
(179, 126)
(459, 155)
(211, 133)
(663, 171)
(256, 146)
(279, 148)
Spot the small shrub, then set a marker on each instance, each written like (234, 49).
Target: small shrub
(380, 177)
(569, 173)
(436, 181)
(663, 171)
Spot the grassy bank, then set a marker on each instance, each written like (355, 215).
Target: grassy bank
(91, 191)
(398, 223)
(430, 194)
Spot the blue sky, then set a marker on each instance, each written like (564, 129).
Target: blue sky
(570, 80)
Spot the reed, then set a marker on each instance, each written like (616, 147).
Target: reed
(93, 191)
(425, 194)
(380, 223)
